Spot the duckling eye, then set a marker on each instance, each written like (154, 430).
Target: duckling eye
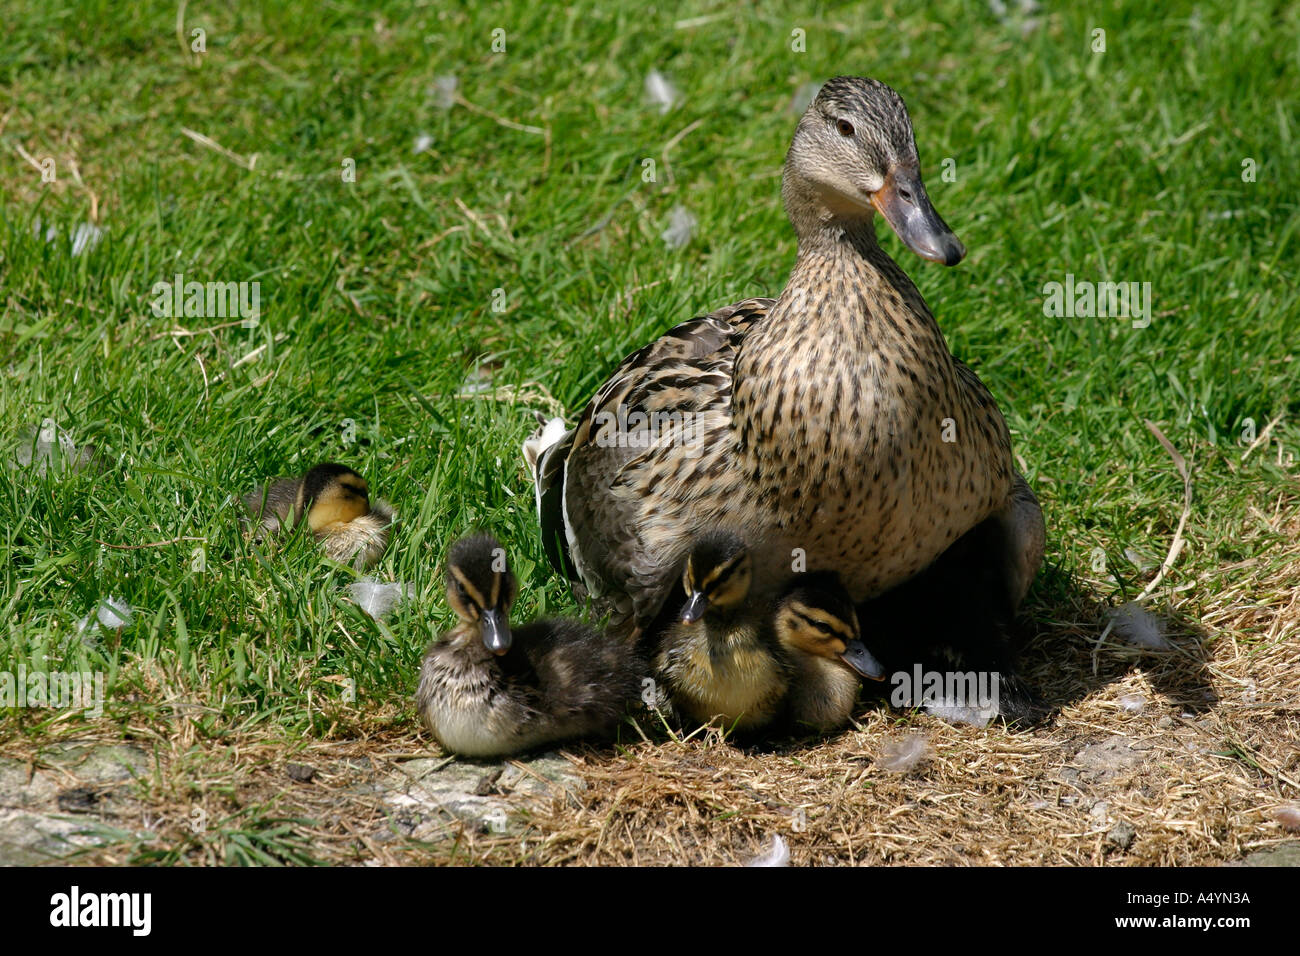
(845, 127)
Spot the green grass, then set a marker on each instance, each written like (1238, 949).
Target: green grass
(377, 296)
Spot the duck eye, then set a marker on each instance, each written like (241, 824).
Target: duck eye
(845, 127)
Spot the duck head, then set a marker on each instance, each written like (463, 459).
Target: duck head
(816, 617)
(854, 155)
(333, 494)
(481, 589)
(716, 577)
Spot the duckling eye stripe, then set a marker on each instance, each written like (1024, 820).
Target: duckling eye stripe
(830, 627)
(474, 594)
(724, 572)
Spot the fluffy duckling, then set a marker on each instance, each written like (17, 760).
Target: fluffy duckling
(817, 627)
(719, 658)
(335, 500)
(488, 691)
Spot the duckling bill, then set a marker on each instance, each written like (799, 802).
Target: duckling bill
(489, 690)
(335, 502)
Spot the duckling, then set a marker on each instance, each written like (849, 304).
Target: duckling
(719, 658)
(336, 502)
(489, 691)
(816, 625)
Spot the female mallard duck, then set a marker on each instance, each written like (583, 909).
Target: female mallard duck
(746, 663)
(831, 422)
(488, 691)
(336, 503)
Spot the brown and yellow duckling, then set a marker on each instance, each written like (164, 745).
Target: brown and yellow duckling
(489, 691)
(335, 502)
(750, 663)
(817, 626)
(719, 658)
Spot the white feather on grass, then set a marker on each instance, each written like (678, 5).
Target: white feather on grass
(901, 754)
(51, 232)
(1143, 562)
(660, 91)
(778, 854)
(85, 238)
(112, 613)
(379, 598)
(444, 90)
(959, 713)
(48, 447)
(1133, 703)
(1139, 627)
(548, 433)
(422, 143)
(681, 227)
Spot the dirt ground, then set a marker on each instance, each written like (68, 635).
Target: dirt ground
(1187, 756)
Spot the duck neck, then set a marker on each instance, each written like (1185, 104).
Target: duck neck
(847, 312)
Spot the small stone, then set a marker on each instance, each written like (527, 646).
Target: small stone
(1288, 817)
(487, 784)
(1165, 722)
(1285, 854)
(1122, 835)
(300, 772)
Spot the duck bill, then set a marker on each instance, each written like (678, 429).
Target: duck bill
(695, 607)
(496, 632)
(906, 207)
(861, 660)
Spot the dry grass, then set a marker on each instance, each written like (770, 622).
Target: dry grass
(1202, 739)
(1195, 748)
